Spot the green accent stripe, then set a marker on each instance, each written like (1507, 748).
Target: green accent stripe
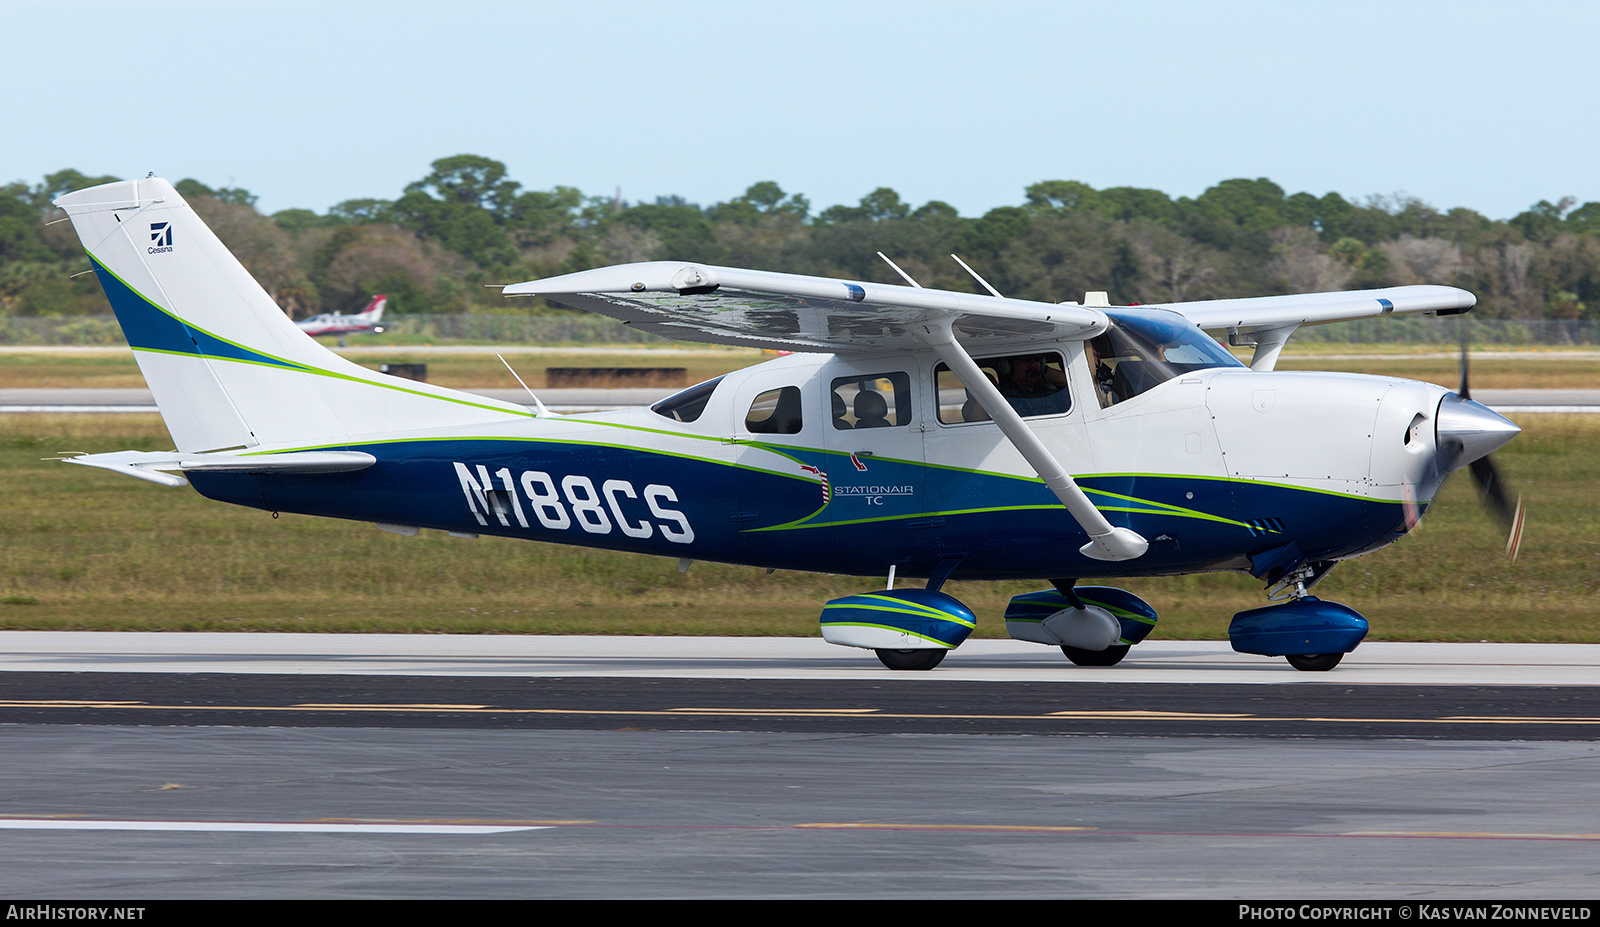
(282, 363)
(938, 616)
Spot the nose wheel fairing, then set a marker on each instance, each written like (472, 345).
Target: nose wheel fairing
(1303, 628)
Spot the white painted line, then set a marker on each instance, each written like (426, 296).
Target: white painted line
(266, 827)
(95, 409)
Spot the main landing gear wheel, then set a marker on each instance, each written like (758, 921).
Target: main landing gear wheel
(1315, 662)
(911, 659)
(1110, 656)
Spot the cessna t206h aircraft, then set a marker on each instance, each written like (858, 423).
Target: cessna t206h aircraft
(928, 433)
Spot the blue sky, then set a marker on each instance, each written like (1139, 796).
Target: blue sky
(1485, 105)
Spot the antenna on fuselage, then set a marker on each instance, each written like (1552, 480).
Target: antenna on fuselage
(903, 275)
(539, 411)
(984, 283)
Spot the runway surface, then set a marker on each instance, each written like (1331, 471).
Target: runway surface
(1208, 662)
(361, 766)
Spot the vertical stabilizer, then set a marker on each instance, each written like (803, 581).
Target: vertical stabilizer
(226, 366)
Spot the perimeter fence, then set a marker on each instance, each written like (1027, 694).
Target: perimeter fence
(594, 329)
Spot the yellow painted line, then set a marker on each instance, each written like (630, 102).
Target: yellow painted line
(389, 707)
(1009, 827)
(1157, 715)
(64, 703)
(803, 712)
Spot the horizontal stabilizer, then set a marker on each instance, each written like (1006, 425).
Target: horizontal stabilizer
(146, 465)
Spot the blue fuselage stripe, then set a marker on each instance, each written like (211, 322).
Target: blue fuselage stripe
(631, 499)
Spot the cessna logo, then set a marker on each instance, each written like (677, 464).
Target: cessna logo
(160, 237)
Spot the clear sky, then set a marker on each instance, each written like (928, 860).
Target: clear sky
(1485, 105)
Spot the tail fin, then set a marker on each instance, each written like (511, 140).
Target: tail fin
(374, 310)
(226, 366)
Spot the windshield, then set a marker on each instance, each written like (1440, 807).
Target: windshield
(687, 405)
(1144, 348)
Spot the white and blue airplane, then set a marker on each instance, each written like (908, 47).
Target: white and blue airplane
(929, 433)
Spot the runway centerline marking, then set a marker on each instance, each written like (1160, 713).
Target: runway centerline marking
(274, 827)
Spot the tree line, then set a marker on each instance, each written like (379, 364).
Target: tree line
(442, 243)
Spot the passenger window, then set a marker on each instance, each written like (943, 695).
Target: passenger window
(775, 412)
(1033, 384)
(879, 400)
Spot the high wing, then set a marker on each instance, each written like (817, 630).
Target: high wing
(727, 305)
(1266, 322)
(1315, 308)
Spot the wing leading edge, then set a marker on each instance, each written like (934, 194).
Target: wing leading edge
(1315, 308)
(1266, 322)
(727, 305)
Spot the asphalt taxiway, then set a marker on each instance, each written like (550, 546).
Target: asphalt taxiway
(344, 766)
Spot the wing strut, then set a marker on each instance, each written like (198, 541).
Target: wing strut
(1105, 541)
(1268, 343)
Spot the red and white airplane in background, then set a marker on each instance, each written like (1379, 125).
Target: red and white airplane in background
(337, 323)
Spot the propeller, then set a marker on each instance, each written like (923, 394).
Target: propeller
(1492, 487)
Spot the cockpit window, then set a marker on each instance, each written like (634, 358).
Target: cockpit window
(1144, 348)
(686, 406)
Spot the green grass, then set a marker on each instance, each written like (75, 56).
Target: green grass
(85, 549)
(115, 367)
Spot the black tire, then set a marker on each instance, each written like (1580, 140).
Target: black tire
(1110, 656)
(911, 659)
(1314, 662)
